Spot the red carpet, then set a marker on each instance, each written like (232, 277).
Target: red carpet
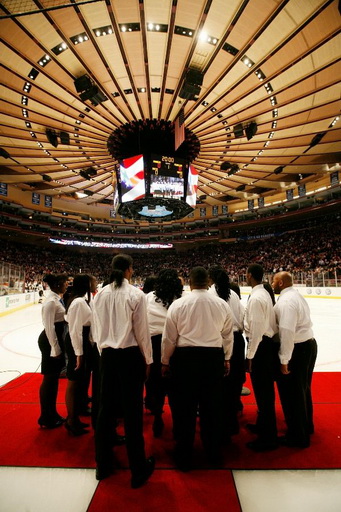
(28, 445)
(168, 491)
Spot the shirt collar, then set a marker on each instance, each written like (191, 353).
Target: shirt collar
(257, 287)
(286, 290)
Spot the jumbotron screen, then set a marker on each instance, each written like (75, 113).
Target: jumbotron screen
(156, 186)
(167, 178)
(132, 179)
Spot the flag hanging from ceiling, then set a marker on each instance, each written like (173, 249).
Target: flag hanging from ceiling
(179, 129)
(192, 185)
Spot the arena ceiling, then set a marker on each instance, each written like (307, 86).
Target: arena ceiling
(273, 65)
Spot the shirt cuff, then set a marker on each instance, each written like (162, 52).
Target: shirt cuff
(55, 351)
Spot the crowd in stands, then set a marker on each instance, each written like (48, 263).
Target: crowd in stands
(316, 249)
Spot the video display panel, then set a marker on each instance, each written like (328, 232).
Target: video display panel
(192, 185)
(166, 177)
(132, 179)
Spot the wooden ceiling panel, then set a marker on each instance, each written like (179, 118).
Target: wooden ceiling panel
(296, 45)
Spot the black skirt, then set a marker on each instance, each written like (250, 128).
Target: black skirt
(50, 365)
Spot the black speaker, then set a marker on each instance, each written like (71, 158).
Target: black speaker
(195, 77)
(64, 138)
(225, 165)
(238, 131)
(91, 171)
(52, 137)
(46, 177)
(240, 188)
(89, 93)
(278, 170)
(83, 83)
(192, 85)
(189, 91)
(98, 98)
(84, 175)
(251, 130)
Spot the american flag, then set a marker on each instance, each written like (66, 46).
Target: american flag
(179, 129)
(192, 185)
(132, 178)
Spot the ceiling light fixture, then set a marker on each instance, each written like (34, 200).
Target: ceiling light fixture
(230, 49)
(79, 38)
(103, 31)
(33, 74)
(60, 48)
(248, 62)
(183, 31)
(129, 27)
(260, 75)
(44, 60)
(268, 88)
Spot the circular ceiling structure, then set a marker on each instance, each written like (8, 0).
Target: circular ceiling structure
(258, 83)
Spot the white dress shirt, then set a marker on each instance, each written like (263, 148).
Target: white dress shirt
(236, 306)
(120, 319)
(78, 315)
(294, 323)
(198, 319)
(156, 314)
(259, 319)
(52, 311)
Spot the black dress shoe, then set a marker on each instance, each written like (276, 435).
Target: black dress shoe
(50, 424)
(103, 472)
(138, 480)
(60, 418)
(262, 446)
(252, 427)
(75, 430)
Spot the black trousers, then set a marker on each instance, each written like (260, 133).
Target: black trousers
(197, 380)
(233, 384)
(265, 367)
(50, 368)
(122, 375)
(94, 358)
(156, 385)
(295, 392)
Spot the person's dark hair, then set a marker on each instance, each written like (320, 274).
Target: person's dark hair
(256, 271)
(236, 288)
(149, 284)
(199, 277)
(119, 264)
(55, 281)
(221, 281)
(268, 288)
(168, 287)
(81, 286)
